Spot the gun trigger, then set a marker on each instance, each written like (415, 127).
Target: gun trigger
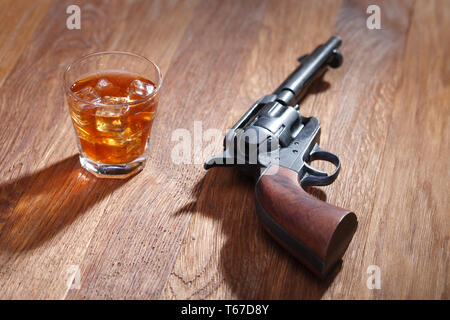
(314, 177)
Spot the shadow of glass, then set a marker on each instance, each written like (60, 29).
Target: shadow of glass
(251, 262)
(34, 208)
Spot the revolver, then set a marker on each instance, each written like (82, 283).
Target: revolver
(275, 144)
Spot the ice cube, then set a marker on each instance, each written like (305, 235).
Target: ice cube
(103, 84)
(110, 119)
(115, 100)
(139, 89)
(80, 116)
(89, 94)
(81, 111)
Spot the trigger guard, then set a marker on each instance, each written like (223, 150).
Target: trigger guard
(314, 177)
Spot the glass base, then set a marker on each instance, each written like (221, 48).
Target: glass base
(112, 171)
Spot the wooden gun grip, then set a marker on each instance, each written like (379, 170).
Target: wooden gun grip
(315, 232)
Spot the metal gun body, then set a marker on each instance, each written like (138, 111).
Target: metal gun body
(274, 131)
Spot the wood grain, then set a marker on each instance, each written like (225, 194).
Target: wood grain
(18, 21)
(412, 234)
(175, 231)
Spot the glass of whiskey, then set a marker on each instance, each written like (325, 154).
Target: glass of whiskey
(112, 98)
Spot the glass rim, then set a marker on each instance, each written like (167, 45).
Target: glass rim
(143, 99)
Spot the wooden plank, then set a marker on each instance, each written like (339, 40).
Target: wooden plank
(409, 225)
(136, 243)
(360, 112)
(18, 21)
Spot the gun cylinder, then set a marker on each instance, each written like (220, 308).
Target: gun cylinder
(312, 66)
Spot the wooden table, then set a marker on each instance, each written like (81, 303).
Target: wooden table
(175, 231)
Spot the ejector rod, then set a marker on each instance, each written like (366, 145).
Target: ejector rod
(311, 67)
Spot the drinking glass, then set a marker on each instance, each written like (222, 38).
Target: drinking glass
(112, 99)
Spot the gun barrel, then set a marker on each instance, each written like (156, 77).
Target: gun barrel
(311, 67)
